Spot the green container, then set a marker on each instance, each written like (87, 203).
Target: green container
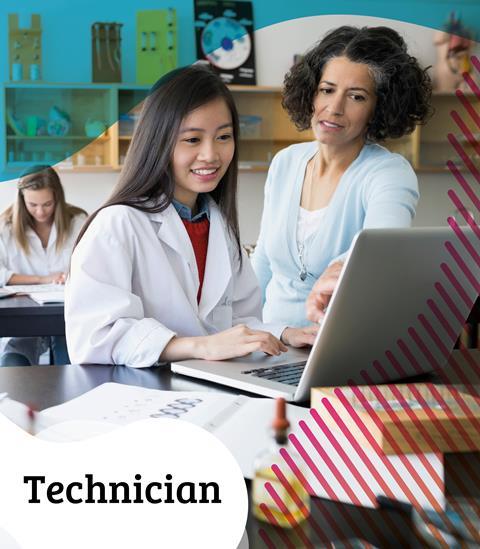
(156, 44)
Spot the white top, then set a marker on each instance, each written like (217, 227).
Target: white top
(40, 261)
(133, 285)
(309, 223)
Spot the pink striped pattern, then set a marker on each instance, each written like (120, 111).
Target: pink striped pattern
(329, 459)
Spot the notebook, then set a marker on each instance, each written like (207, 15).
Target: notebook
(44, 298)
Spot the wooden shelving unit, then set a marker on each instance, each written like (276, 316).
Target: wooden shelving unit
(265, 127)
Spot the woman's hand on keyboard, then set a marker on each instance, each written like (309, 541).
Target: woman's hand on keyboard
(234, 342)
(239, 341)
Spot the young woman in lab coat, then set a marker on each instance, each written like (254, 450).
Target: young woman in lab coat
(37, 233)
(158, 273)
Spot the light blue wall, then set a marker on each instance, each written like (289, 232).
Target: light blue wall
(66, 25)
(429, 13)
(66, 36)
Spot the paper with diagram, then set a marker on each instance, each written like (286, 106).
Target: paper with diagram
(243, 425)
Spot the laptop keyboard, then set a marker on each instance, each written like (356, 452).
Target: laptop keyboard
(286, 373)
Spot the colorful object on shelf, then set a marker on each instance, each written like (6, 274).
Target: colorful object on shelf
(156, 44)
(224, 37)
(454, 46)
(59, 122)
(250, 126)
(17, 72)
(106, 52)
(25, 48)
(34, 71)
(36, 125)
(94, 128)
(14, 123)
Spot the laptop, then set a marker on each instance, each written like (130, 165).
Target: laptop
(401, 300)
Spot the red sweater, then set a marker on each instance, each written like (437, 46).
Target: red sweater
(198, 233)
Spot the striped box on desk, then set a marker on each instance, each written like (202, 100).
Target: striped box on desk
(404, 418)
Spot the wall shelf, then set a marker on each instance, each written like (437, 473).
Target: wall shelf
(265, 127)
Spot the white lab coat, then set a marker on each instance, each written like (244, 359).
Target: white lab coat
(39, 261)
(133, 285)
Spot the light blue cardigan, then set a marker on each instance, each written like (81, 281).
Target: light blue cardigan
(379, 189)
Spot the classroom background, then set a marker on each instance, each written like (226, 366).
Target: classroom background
(275, 48)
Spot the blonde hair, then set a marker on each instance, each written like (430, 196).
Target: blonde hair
(17, 216)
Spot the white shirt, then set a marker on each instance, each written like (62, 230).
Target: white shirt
(134, 281)
(40, 261)
(309, 223)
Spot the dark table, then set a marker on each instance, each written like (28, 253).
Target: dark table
(45, 386)
(20, 316)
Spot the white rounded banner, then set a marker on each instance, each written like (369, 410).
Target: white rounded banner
(150, 484)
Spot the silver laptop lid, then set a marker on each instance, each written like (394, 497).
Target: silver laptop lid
(400, 304)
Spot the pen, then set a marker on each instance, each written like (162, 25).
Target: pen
(31, 414)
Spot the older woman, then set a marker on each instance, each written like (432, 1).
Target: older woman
(355, 88)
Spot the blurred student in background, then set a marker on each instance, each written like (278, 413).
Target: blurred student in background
(37, 233)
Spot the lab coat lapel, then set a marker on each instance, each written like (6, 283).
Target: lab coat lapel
(173, 233)
(35, 241)
(218, 268)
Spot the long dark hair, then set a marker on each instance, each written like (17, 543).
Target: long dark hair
(146, 182)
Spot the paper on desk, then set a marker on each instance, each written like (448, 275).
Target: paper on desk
(243, 425)
(34, 288)
(228, 416)
(20, 414)
(6, 292)
(42, 298)
(41, 293)
(122, 404)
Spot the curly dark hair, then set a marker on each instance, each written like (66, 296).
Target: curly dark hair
(403, 89)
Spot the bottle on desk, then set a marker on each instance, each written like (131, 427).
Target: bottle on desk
(294, 504)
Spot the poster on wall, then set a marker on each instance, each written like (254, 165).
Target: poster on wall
(224, 38)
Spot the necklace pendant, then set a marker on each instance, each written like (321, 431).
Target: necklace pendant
(303, 275)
